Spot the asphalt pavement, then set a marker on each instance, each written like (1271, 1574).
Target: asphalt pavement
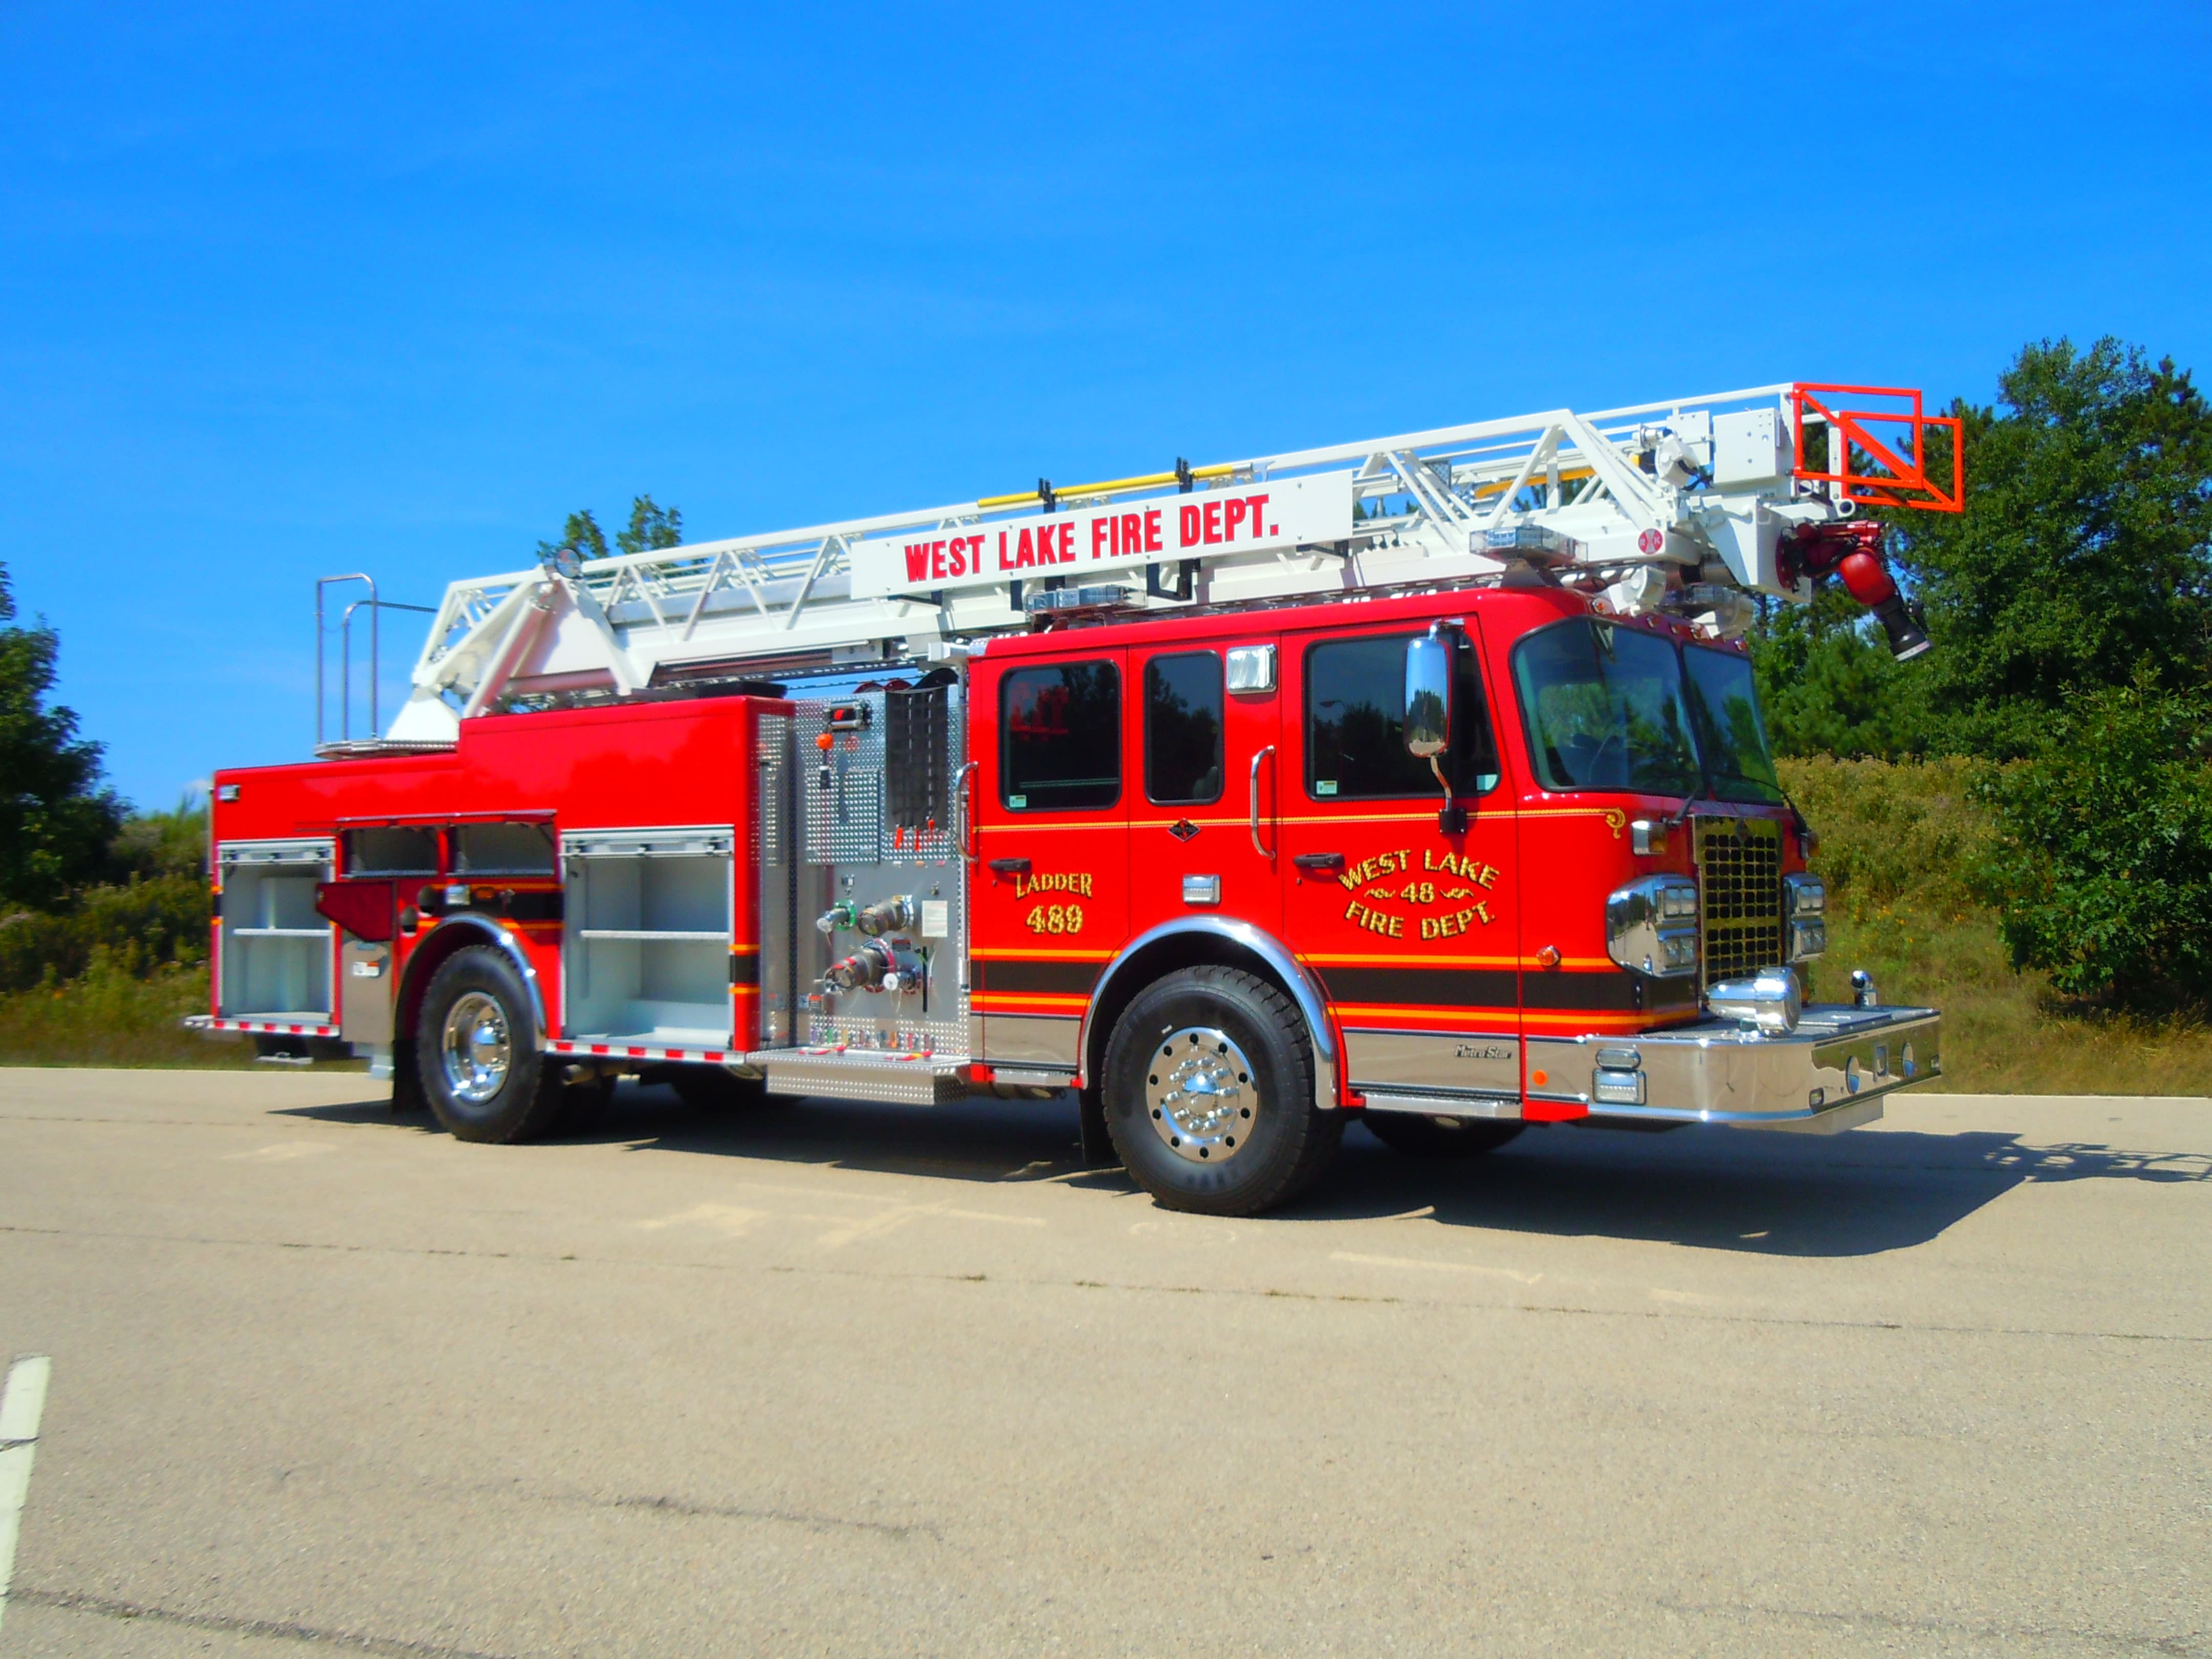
(841, 1379)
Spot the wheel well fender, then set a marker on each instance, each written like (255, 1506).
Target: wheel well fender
(452, 934)
(1193, 941)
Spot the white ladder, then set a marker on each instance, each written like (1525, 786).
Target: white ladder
(1681, 503)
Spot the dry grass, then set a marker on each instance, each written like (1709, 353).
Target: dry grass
(110, 1018)
(1899, 845)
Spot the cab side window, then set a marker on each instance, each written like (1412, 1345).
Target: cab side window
(1182, 729)
(1355, 724)
(1060, 737)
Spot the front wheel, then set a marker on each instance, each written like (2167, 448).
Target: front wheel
(476, 1048)
(1209, 1095)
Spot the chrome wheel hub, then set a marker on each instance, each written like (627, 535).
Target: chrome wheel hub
(1199, 1092)
(478, 1049)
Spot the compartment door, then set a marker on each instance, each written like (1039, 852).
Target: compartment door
(647, 948)
(1205, 739)
(277, 951)
(1050, 889)
(1415, 931)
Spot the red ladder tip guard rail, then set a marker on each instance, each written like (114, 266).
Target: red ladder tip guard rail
(1899, 481)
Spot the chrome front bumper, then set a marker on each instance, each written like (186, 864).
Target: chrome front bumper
(1831, 1073)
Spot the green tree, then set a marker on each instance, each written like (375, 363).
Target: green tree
(2083, 560)
(55, 818)
(2104, 863)
(581, 532)
(1830, 686)
(651, 527)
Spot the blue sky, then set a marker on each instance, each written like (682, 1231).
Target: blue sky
(292, 290)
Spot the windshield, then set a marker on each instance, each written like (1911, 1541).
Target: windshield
(1605, 708)
(1731, 734)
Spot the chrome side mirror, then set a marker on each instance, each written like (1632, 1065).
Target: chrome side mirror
(1428, 695)
(1429, 713)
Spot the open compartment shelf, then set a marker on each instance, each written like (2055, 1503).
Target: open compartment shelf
(647, 955)
(275, 949)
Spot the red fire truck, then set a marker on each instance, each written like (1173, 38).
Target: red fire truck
(1422, 780)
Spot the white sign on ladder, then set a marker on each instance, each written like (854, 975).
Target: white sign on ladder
(1260, 516)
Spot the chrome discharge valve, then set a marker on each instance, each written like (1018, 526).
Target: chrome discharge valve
(887, 916)
(876, 966)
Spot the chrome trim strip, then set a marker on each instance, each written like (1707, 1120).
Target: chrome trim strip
(1430, 1104)
(1311, 1003)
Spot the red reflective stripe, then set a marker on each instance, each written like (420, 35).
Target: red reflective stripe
(599, 1047)
(637, 1054)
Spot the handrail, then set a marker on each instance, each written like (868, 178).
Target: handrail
(1261, 756)
(966, 838)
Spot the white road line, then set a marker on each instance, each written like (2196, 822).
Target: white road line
(21, 1404)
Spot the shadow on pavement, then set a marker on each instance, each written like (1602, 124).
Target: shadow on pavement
(1772, 1193)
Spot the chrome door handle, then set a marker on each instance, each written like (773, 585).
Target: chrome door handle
(965, 839)
(1256, 759)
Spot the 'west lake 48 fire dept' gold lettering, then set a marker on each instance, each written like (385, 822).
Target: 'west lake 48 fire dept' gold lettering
(1374, 879)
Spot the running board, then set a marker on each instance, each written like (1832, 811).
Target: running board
(891, 1079)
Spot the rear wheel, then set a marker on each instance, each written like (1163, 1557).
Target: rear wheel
(1438, 1137)
(1209, 1094)
(476, 1048)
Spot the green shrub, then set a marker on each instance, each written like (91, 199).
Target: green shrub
(134, 930)
(2102, 863)
(1910, 829)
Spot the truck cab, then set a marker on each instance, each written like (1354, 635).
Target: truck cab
(1516, 861)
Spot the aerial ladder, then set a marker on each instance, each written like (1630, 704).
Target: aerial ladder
(1692, 506)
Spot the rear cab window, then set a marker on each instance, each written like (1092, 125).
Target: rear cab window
(1183, 695)
(1059, 737)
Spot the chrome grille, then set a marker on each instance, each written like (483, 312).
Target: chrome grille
(1739, 873)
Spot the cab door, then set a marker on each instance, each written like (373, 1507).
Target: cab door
(1050, 886)
(1414, 928)
(1205, 752)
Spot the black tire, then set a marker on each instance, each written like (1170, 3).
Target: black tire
(1282, 1143)
(406, 1078)
(1438, 1137)
(711, 1089)
(518, 1092)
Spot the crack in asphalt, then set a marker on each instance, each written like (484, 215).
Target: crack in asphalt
(2191, 1646)
(234, 1624)
(1263, 1292)
(686, 1507)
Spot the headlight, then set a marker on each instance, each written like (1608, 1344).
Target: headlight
(1809, 938)
(1804, 895)
(1651, 927)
